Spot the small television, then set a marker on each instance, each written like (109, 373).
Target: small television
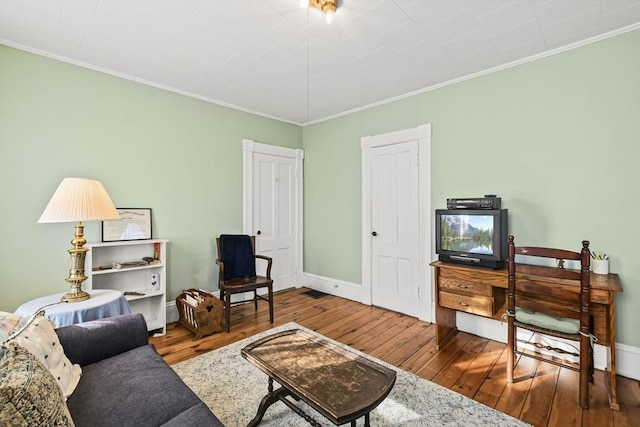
(472, 236)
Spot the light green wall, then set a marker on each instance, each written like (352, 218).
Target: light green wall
(558, 139)
(151, 148)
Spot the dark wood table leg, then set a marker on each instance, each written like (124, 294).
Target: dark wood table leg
(278, 395)
(366, 421)
(610, 370)
(271, 398)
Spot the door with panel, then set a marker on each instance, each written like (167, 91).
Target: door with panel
(274, 215)
(394, 223)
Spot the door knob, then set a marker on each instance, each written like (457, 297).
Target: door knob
(374, 234)
(259, 232)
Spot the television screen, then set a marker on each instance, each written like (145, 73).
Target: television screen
(467, 233)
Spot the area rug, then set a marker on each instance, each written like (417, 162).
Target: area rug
(232, 388)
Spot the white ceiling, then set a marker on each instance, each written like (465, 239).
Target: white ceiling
(276, 59)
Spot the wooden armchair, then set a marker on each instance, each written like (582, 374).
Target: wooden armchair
(537, 305)
(237, 272)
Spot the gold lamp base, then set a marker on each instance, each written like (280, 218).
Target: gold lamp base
(76, 270)
(75, 295)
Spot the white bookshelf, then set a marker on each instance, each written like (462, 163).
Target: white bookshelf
(152, 302)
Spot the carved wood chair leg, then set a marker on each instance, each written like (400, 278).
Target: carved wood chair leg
(270, 304)
(511, 343)
(591, 367)
(227, 310)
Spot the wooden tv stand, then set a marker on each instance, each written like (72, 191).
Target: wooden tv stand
(483, 292)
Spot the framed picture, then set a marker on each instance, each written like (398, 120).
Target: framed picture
(134, 225)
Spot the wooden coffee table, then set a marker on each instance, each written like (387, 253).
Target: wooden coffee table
(335, 381)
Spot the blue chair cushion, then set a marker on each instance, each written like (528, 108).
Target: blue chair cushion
(554, 323)
(237, 255)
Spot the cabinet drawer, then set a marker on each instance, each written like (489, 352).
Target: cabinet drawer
(487, 277)
(465, 287)
(482, 306)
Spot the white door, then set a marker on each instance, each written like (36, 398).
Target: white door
(396, 221)
(272, 213)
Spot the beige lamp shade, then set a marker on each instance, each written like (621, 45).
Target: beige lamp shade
(79, 199)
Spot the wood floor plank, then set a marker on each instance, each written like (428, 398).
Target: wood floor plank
(330, 315)
(565, 410)
(378, 336)
(494, 384)
(470, 365)
(394, 336)
(420, 358)
(443, 356)
(629, 396)
(451, 373)
(339, 327)
(599, 412)
(370, 329)
(422, 334)
(512, 399)
(353, 322)
(475, 374)
(540, 395)
(399, 341)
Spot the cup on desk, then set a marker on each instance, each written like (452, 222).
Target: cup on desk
(600, 266)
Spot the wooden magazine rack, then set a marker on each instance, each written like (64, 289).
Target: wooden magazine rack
(202, 316)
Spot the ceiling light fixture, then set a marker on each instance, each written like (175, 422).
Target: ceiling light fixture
(328, 7)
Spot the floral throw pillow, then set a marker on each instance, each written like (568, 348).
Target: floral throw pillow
(39, 337)
(29, 395)
(8, 323)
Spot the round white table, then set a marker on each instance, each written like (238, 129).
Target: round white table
(103, 303)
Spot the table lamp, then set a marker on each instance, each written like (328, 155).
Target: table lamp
(77, 200)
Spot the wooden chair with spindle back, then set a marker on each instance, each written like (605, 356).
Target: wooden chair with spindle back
(534, 305)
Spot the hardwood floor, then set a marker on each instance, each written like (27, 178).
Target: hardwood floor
(545, 395)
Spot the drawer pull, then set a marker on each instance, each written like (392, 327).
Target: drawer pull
(464, 304)
(463, 286)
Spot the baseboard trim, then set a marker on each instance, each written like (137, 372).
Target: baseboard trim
(336, 287)
(172, 312)
(628, 361)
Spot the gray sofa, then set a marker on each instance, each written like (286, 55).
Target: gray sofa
(124, 380)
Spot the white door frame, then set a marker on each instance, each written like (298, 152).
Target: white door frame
(250, 148)
(425, 288)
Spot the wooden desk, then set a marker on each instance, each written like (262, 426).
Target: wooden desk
(483, 292)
